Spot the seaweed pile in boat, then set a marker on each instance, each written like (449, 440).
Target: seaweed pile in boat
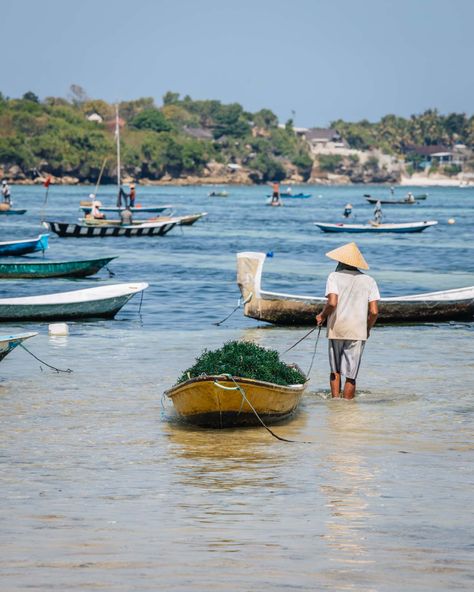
(246, 360)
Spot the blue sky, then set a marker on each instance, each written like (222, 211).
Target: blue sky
(324, 60)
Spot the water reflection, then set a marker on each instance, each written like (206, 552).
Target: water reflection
(232, 459)
(351, 483)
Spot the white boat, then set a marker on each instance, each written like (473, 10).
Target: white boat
(9, 342)
(295, 309)
(375, 228)
(104, 301)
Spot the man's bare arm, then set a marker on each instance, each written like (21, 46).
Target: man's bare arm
(329, 308)
(372, 316)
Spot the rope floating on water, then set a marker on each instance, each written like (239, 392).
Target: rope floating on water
(237, 387)
(68, 371)
(314, 352)
(249, 297)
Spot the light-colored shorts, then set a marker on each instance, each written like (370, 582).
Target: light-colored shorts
(345, 356)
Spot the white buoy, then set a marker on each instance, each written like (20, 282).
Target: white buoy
(58, 329)
(451, 221)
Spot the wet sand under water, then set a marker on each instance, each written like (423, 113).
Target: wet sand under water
(107, 490)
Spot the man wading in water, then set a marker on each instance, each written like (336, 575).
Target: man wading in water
(351, 310)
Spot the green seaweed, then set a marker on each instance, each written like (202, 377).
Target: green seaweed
(247, 360)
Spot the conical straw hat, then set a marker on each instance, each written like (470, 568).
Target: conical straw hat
(350, 255)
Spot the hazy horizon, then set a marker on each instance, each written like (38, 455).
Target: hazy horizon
(319, 61)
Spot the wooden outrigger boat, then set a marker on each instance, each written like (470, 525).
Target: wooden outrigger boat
(49, 269)
(390, 202)
(9, 342)
(135, 210)
(418, 197)
(218, 194)
(287, 195)
(216, 402)
(291, 309)
(104, 301)
(401, 228)
(24, 246)
(187, 220)
(106, 229)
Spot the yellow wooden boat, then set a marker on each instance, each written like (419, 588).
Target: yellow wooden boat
(224, 401)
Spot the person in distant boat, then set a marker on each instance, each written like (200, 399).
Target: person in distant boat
(288, 190)
(96, 214)
(132, 195)
(276, 194)
(410, 197)
(122, 196)
(347, 210)
(378, 212)
(126, 216)
(6, 193)
(351, 311)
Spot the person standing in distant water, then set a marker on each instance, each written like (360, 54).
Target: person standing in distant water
(378, 212)
(392, 190)
(6, 194)
(351, 311)
(276, 194)
(410, 197)
(132, 195)
(347, 210)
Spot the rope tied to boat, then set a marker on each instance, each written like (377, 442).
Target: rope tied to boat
(239, 304)
(237, 387)
(67, 371)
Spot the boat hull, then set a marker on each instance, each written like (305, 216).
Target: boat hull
(134, 210)
(201, 402)
(294, 195)
(49, 269)
(23, 247)
(9, 342)
(390, 202)
(409, 227)
(295, 310)
(64, 229)
(12, 212)
(77, 304)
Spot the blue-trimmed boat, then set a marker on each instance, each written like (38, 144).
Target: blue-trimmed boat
(9, 342)
(24, 246)
(287, 195)
(48, 269)
(400, 228)
(134, 210)
(11, 212)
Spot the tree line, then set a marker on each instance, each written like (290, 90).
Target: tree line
(55, 136)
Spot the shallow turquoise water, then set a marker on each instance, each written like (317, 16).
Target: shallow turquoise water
(103, 489)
